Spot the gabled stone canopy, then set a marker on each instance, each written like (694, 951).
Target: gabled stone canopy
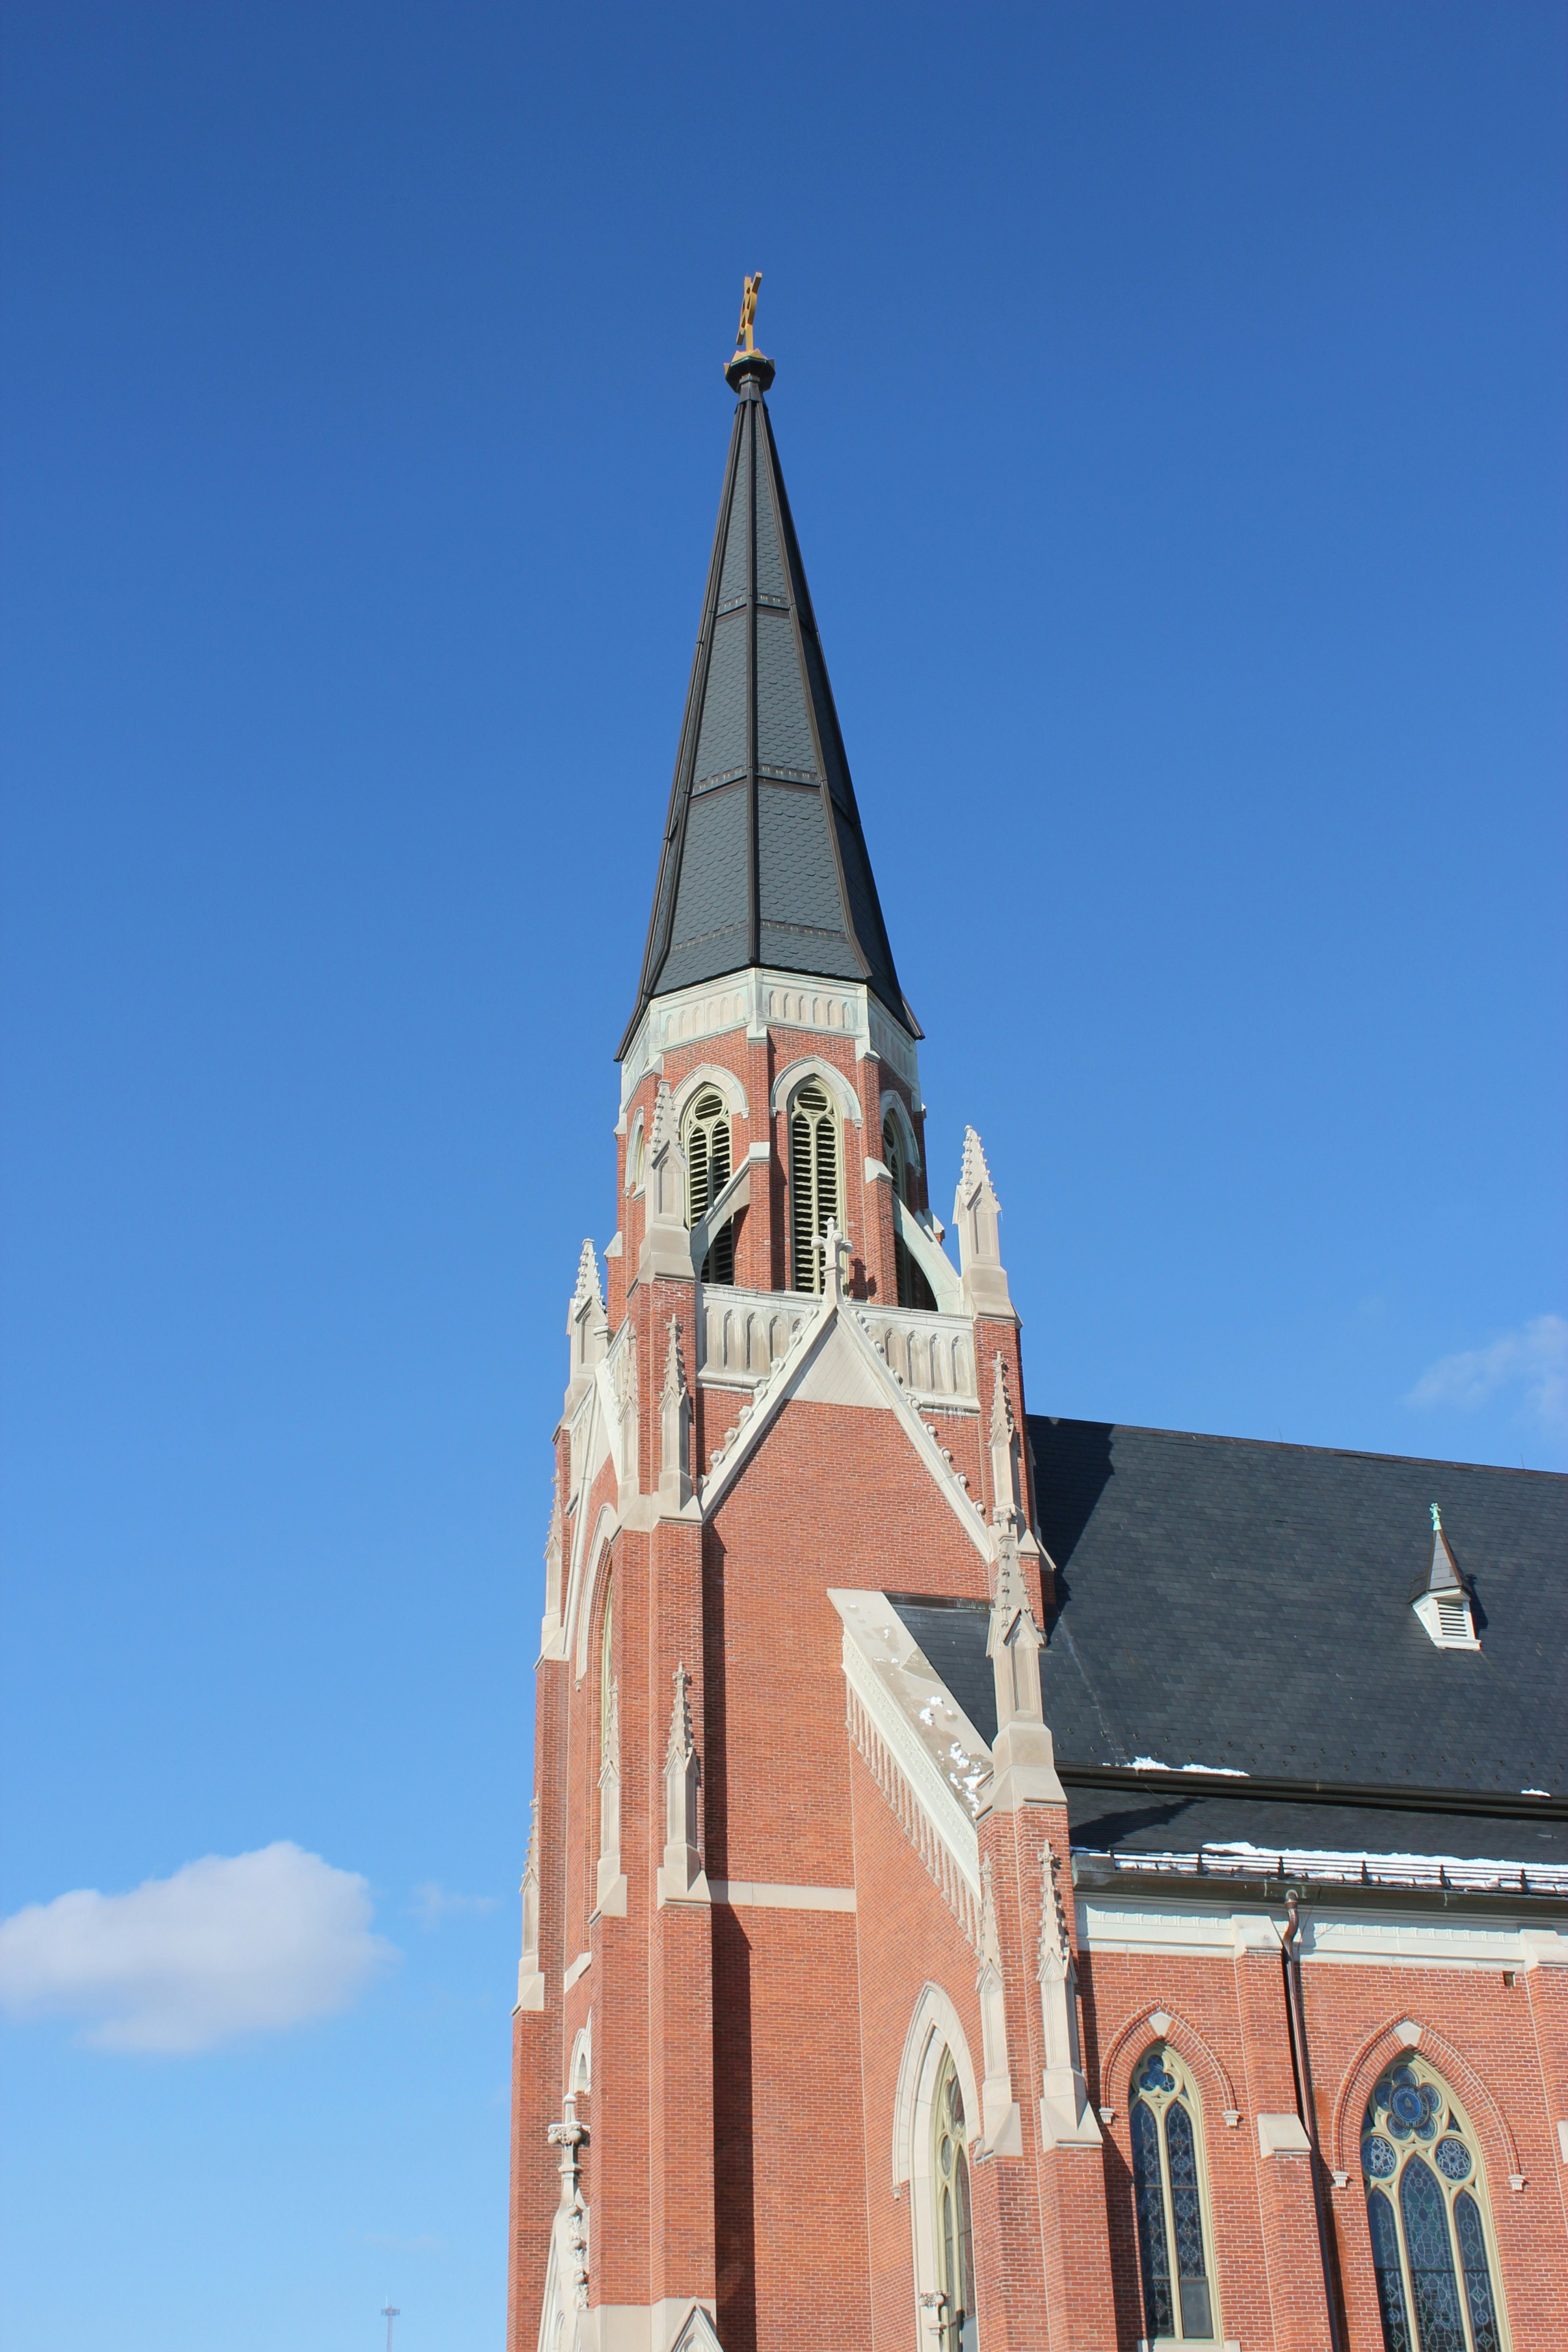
(764, 862)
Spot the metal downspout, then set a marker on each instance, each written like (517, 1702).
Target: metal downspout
(1295, 2010)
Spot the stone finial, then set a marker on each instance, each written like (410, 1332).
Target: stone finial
(666, 1244)
(587, 1284)
(571, 2137)
(976, 1213)
(1006, 1505)
(998, 2115)
(682, 1741)
(663, 1127)
(682, 1878)
(553, 1556)
(1055, 1943)
(832, 1248)
(675, 1428)
(990, 1942)
(1023, 1756)
(610, 1883)
(975, 1169)
(587, 1324)
(674, 1368)
(530, 1977)
(1066, 2118)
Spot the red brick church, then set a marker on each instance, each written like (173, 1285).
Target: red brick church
(995, 1882)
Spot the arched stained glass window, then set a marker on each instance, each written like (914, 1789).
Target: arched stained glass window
(1170, 2195)
(606, 1670)
(705, 1141)
(1427, 2214)
(813, 1181)
(954, 2236)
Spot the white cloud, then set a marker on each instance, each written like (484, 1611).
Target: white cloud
(1533, 1358)
(232, 1944)
(433, 1903)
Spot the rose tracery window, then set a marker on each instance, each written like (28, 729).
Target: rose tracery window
(1426, 2210)
(1169, 2187)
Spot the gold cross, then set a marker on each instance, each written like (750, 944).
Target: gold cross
(742, 334)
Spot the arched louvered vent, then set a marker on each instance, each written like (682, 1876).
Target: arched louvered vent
(893, 1156)
(814, 1200)
(914, 1290)
(706, 1143)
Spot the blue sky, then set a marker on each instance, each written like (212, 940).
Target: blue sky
(1171, 402)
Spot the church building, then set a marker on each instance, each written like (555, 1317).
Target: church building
(997, 1882)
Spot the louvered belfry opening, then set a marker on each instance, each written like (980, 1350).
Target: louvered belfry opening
(814, 1181)
(914, 1290)
(707, 1173)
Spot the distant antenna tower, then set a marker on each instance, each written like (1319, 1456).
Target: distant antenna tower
(388, 2312)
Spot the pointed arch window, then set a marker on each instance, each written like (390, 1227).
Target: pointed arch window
(607, 1671)
(954, 2227)
(705, 1140)
(1175, 2250)
(814, 1195)
(1426, 2212)
(914, 1290)
(608, 1885)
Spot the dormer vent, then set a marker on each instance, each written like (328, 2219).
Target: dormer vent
(1442, 1599)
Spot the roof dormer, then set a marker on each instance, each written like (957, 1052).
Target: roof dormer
(1442, 1599)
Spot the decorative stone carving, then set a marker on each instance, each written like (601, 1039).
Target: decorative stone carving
(674, 1429)
(976, 1213)
(999, 2116)
(1066, 2118)
(587, 1326)
(530, 1977)
(1023, 1754)
(571, 2219)
(1006, 1506)
(622, 1372)
(682, 1878)
(611, 1896)
(667, 1246)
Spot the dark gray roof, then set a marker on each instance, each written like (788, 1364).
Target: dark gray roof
(1246, 1606)
(763, 861)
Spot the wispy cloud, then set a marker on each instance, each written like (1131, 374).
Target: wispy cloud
(232, 1944)
(431, 1903)
(1533, 1359)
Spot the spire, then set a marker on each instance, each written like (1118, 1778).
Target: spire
(764, 862)
(1441, 1598)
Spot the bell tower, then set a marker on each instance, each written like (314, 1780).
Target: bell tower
(778, 1383)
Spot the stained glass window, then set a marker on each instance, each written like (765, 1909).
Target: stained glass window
(954, 2236)
(1425, 2213)
(1169, 2197)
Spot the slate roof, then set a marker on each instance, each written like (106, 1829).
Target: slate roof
(1246, 1606)
(763, 860)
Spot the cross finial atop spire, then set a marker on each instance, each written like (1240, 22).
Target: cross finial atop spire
(749, 366)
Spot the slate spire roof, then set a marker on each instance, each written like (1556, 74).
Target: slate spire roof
(763, 861)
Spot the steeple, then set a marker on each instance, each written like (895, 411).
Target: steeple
(764, 862)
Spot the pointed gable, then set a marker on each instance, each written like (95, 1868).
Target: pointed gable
(764, 862)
